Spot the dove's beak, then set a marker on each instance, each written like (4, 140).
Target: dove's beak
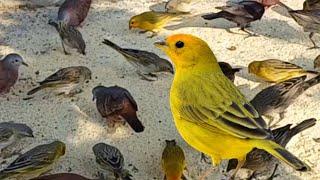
(25, 64)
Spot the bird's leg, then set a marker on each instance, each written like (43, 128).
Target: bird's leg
(273, 173)
(314, 44)
(249, 33)
(153, 34)
(64, 49)
(239, 165)
(204, 158)
(142, 32)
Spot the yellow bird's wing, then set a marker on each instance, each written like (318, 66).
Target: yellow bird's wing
(221, 105)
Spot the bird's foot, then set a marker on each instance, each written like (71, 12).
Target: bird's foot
(314, 47)
(251, 35)
(205, 159)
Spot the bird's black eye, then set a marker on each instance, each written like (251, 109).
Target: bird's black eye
(179, 44)
(16, 60)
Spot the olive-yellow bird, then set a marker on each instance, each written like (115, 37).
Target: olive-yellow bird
(274, 70)
(151, 21)
(210, 113)
(173, 161)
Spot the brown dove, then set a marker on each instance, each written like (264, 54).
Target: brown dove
(117, 105)
(73, 12)
(9, 71)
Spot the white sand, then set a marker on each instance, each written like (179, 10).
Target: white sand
(76, 120)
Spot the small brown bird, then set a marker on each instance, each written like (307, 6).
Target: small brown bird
(34, 162)
(9, 71)
(260, 161)
(308, 19)
(65, 81)
(316, 62)
(73, 12)
(279, 97)
(146, 63)
(110, 160)
(241, 13)
(62, 176)
(70, 36)
(228, 70)
(274, 70)
(117, 105)
(173, 161)
(311, 5)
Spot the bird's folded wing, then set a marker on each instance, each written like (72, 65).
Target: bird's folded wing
(5, 134)
(27, 162)
(67, 75)
(242, 121)
(308, 16)
(238, 10)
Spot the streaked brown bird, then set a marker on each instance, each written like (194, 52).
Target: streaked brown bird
(241, 13)
(66, 81)
(308, 19)
(311, 5)
(277, 98)
(274, 70)
(259, 161)
(228, 70)
(173, 161)
(117, 105)
(9, 71)
(70, 37)
(110, 160)
(62, 176)
(74, 12)
(34, 162)
(146, 63)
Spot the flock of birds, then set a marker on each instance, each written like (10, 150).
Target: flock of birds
(196, 98)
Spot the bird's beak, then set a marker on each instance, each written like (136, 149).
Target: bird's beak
(25, 64)
(161, 45)
(31, 135)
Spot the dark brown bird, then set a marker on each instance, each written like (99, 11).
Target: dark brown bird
(259, 160)
(9, 71)
(308, 19)
(65, 81)
(228, 70)
(74, 12)
(70, 36)
(62, 176)
(241, 13)
(311, 5)
(279, 97)
(117, 105)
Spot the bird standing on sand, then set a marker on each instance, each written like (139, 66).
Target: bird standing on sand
(146, 63)
(241, 13)
(74, 12)
(279, 97)
(210, 113)
(274, 70)
(117, 105)
(228, 70)
(152, 21)
(110, 160)
(34, 162)
(66, 81)
(308, 19)
(260, 161)
(173, 161)
(70, 36)
(11, 132)
(9, 71)
(62, 176)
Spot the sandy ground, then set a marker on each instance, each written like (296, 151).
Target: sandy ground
(76, 121)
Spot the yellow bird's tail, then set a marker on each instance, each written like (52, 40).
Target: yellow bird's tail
(281, 153)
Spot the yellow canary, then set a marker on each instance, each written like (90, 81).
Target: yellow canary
(274, 70)
(210, 113)
(173, 161)
(151, 21)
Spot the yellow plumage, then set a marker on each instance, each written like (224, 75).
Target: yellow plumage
(274, 70)
(173, 161)
(209, 111)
